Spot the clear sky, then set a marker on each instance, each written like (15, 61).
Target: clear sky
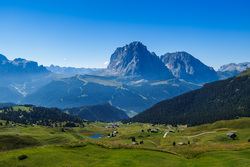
(84, 33)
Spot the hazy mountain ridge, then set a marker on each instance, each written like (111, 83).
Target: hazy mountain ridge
(72, 70)
(235, 67)
(7, 105)
(92, 90)
(21, 77)
(19, 65)
(102, 112)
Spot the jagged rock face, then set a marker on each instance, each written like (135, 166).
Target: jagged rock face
(20, 66)
(136, 61)
(185, 66)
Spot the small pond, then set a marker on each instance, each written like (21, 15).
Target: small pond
(96, 136)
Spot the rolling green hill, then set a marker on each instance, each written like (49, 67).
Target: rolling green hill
(221, 100)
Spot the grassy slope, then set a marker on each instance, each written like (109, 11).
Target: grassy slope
(21, 136)
(208, 149)
(92, 155)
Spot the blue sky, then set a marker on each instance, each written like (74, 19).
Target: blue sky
(83, 33)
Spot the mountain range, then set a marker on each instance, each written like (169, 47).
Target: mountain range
(220, 100)
(69, 71)
(134, 80)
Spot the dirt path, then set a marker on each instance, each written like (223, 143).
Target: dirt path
(201, 134)
(165, 135)
(166, 132)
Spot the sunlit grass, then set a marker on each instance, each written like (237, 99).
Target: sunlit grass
(74, 147)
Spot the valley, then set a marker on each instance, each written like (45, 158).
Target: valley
(124, 83)
(74, 147)
(146, 109)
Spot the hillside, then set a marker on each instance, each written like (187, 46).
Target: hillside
(221, 100)
(102, 112)
(36, 115)
(133, 97)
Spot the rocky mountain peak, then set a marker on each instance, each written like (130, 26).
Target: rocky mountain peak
(136, 61)
(187, 67)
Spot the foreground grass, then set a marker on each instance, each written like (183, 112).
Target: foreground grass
(73, 146)
(92, 155)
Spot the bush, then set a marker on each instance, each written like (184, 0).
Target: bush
(133, 138)
(21, 157)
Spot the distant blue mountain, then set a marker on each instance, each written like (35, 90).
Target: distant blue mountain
(20, 77)
(232, 69)
(67, 71)
(19, 66)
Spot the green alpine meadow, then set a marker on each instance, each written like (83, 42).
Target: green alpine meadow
(72, 146)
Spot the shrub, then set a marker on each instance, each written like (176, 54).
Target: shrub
(21, 157)
(133, 138)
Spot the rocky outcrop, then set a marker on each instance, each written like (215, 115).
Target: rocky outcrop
(185, 66)
(134, 60)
